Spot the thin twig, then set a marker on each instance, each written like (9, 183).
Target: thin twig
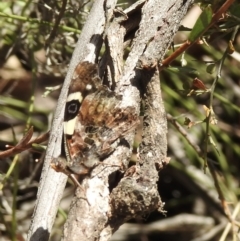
(23, 147)
(208, 119)
(182, 131)
(57, 23)
(188, 44)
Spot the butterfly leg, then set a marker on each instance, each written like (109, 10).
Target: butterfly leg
(59, 165)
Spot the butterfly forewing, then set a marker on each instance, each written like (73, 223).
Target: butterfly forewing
(93, 121)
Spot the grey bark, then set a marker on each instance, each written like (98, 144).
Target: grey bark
(113, 199)
(52, 183)
(114, 192)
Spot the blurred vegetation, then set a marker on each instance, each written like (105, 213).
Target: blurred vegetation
(201, 94)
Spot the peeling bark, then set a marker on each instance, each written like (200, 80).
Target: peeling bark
(115, 191)
(52, 183)
(117, 195)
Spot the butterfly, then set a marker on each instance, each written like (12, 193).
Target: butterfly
(94, 120)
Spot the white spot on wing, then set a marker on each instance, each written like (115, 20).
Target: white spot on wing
(75, 96)
(69, 126)
(88, 87)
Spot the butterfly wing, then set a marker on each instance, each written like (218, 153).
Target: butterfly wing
(94, 120)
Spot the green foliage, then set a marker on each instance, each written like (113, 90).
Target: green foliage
(200, 92)
(201, 24)
(211, 137)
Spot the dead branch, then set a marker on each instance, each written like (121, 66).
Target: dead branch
(52, 183)
(117, 196)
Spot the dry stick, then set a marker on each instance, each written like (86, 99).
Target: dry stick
(151, 42)
(57, 23)
(188, 44)
(134, 195)
(23, 146)
(155, 117)
(106, 232)
(182, 131)
(52, 183)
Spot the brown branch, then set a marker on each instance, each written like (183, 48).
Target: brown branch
(139, 188)
(115, 196)
(24, 144)
(53, 183)
(182, 131)
(187, 44)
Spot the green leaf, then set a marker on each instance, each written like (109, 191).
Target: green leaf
(203, 21)
(184, 70)
(211, 68)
